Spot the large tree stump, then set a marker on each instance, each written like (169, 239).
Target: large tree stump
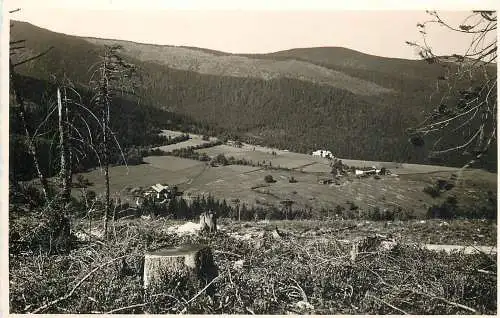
(192, 261)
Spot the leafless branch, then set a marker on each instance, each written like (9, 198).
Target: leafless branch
(34, 57)
(68, 295)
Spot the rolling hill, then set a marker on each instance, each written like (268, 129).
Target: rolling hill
(355, 104)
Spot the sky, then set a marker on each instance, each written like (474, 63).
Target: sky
(252, 26)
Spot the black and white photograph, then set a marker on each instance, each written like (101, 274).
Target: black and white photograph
(249, 157)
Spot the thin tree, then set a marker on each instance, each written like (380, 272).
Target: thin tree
(65, 171)
(467, 109)
(15, 46)
(112, 76)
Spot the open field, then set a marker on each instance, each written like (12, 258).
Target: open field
(246, 183)
(309, 163)
(194, 140)
(170, 170)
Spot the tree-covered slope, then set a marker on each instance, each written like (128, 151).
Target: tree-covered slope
(355, 104)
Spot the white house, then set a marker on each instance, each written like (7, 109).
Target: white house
(359, 172)
(372, 171)
(323, 153)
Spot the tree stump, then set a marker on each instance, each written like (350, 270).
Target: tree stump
(208, 222)
(192, 261)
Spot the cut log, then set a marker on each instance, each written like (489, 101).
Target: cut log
(192, 261)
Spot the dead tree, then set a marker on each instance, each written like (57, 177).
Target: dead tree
(64, 172)
(467, 110)
(111, 76)
(30, 143)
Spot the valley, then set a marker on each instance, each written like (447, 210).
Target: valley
(167, 179)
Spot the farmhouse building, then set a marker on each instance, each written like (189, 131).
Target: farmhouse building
(158, 192)
(323, 154)
(368, 172)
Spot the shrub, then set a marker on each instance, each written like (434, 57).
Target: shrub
(352, 206)
(377, 214)
(157, 152)
(432, 191)
(134, 157)
(446, 210)
(204, 157)
(444, 185)
(221, 159)
(269, 179)
(26, 194)
(339, 210)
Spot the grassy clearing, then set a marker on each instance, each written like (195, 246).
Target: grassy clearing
(234, 181)
(172, 163)
(143, 175)
(184, 144)
(276, 275)
(308, 163)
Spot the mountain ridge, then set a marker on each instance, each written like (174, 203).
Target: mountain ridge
(291, 113)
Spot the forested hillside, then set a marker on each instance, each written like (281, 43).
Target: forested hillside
(359, 106)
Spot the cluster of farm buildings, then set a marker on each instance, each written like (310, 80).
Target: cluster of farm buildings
(358, 172)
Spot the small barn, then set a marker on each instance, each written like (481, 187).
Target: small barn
(323, 154)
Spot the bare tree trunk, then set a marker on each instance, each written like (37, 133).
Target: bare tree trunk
(112, 70)
(64, 171)
(69, 147)
(105, 123)
(29, 142)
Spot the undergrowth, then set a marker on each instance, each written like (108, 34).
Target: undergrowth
(275, 276)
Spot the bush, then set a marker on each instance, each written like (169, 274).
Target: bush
(204, 157)
(447, 210)
(156, 152)
(339, 211)
(352, 206)
(26, 194)
(432, 191)
(133, 157)
(269, 179)
(221, 159)
(377, 214)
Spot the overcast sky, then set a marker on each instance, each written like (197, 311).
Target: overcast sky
(274, 27)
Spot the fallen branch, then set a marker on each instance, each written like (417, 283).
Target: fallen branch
(142, 304)
(302, 292)
(486, 272)
(451, 303)
(201, 291)
(250, 310)
(68, 295)
(126, 307)
(425, 294)
(388, 304)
